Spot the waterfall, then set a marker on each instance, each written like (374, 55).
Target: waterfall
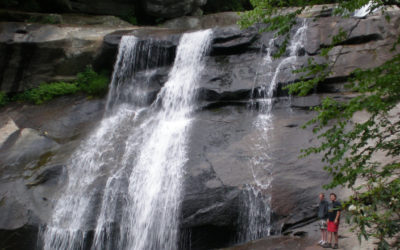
(154, 189)
(125, 180)
(366, 10)
(256, 215)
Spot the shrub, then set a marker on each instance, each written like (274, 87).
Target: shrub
(92, 83)
(130, 18)
(89, 82)
(47, 91)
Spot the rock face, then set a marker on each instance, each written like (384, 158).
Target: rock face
(104, 7)
(231, 67)
(203, 22)
(37, 141)
(171, 8)
(35, 53)
(101, 7)
(124, 8)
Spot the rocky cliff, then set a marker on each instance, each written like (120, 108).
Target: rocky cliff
(146, 11)
(37, 141)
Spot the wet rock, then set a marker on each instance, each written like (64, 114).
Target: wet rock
(229, 77)
(11, 239)
(300, 234)
(208, 237)
(306, 102)
(222, 150)
(47, 176)
(160, 42)
(214, 207)
(232, 40)
(28, 146)
(167, 38)
(61, 119)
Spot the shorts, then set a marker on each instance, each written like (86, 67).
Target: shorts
(322, 224)
(332, 227)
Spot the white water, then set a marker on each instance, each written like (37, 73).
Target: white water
(137, 154)
(151, 214)
(365, 10)
(256, 216)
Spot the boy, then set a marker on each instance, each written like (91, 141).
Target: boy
(333, 221)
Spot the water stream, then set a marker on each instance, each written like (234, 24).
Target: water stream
(366, 10)
(255, 219)
(125, 180)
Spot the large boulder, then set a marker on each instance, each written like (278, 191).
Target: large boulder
(27, 146)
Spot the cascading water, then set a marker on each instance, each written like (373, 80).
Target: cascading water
(125, 179)
(255, 216)
(366, 10)
(151, 213)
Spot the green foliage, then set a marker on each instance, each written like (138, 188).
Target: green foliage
(92, 83)
(89, 82)
(47, 91)
(349, 148)
(3, 98)
(130, 18)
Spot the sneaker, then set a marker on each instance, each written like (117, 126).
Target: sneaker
(321, 242)
(335, 246)
(327, 245)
